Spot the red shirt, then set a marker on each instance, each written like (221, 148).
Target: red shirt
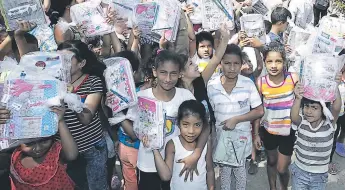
(50, 174)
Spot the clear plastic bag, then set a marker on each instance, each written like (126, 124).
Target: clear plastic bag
(90, 16)
(254, 26)
(214, 16)
(29, 98)
(55, 64)
(318, 76)
(120, 82)
(45, 36)
(298, 37)
(150, 122)
(74, 102)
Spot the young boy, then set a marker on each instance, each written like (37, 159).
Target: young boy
(279, 20)
(204, 49)
(313, 146)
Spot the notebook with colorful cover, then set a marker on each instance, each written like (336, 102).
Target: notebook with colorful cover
(150, 122)
(29, 10)
(120, 82)
(144, 16)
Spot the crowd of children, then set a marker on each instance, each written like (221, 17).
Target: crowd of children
(227, 97)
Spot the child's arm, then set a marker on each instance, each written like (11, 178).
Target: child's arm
(295, 117)
(260, 63)
(115, 42)
(23, 46)
(214, 62)
(210, 176)
(191, 33)
(165, 168)
(5, 47)
(127, 126)
(106, 46)
(46, 5)
(69, 150)
(135, 36)
(336, 106)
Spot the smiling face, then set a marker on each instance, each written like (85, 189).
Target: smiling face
(274, 63)
(37, 149)
(247, 67)
(191, 127)
(190, 70)
(205, 49)
(167, 75)
(231, 66)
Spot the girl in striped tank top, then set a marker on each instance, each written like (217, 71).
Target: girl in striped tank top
(277, 90)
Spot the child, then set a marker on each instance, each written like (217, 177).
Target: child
(276, 89)
(279, 20)
(315, 133)
(204, 50)
(236, 102)
(166, 70)
(40, 165)
(191, 116)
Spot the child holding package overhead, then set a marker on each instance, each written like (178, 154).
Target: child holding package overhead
(315, 133)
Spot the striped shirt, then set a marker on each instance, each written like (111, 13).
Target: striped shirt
(277, 103)
(85, 135)
(313, 146)
(242, 98)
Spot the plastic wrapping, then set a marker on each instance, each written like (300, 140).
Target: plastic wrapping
(298, 37)
(318, 76)
(144, 16)
(120, 82)
(150, 122)
(253, 25)
(13, 10)
(56, 64)
(329, 38)
(214, 16)
(29, 99)
(260, 7)
(196, 16)
(90, 16)
(167, 19)
(73, 102)
(45, 36)
(124, 9)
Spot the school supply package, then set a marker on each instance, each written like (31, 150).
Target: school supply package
(120, 83)
(29, 10)
(150, 122)
(254, 26)
(90, 18)
(45, 37)
(217, 12)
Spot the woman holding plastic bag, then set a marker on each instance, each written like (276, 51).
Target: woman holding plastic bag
(88, 82)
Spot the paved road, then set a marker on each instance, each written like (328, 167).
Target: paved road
(260, 182)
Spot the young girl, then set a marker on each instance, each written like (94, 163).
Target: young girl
(88, 82)
(236, 102)
(277, 89)
(313, 147)
(40, 165)
(191, 116)
(166, 70)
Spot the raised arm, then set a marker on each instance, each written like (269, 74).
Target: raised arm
(19, 35)
(214, 62)
(336, 106)
(259, 62)
(295, 117)
(191, 34)
(210, 176)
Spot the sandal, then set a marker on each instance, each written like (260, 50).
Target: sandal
(332, 169)
(253, 167)
(340, 149)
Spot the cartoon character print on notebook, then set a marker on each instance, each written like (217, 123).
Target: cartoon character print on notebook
(170, 125)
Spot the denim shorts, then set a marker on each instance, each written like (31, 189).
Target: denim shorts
(302, 180)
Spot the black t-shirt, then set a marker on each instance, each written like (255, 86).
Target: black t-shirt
(200, 94)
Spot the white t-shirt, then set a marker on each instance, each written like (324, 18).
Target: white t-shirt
(146, 161)
(201, 62)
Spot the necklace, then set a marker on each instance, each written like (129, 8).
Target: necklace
(77, 79)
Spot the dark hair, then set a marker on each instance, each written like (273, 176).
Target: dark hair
(274, 47)
(184, 61)
(191, 107)
(57, 10)
(268, 26)
(132, 58)
(280, 14)
(166, 55)
(93, 66)
(233, 49)
(306, 101)
(204, 36)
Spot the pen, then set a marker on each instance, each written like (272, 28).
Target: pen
(221, 6)
(123, 6)
(119, 95)
(235, 152)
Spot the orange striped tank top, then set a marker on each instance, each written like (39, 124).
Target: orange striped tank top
(277, 103)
